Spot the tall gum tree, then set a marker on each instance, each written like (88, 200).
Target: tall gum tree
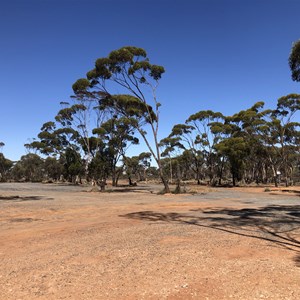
(181, 137)
(284, 131)
(206, 138)
(129, 71)
(81, 117)
(173, 150)
(5, 164)
(117, 134)
(294, 61)
(250, 121)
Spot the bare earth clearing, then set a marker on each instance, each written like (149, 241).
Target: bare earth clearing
(64, 242)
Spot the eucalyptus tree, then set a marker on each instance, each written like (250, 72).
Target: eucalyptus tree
(54, 168)
(70, 141)
(5, 167)
(72, 128)
(172, 149)
(236, 151)
(270, 136)
(144, 163)
(206, 138)
(1, 146)
(99, 168)
(81, 117)
(53, 140)
(248, 126)
(62, 144)
(137, 166)
(128, 71)
(117, 134)
(29, 168)
(197, 139)
(73, 165)
(70, 132)
(181, 138)
(281, 135)
(131, 167)
(294, 61)
(248, 144)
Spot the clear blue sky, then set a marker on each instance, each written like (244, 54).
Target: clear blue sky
(222, 55)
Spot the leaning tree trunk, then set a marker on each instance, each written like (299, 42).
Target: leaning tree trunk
(156, 157)
(162, 176)
(118, 174)
(129, 180)
(114, 177)
(166, 184)
(164, 181)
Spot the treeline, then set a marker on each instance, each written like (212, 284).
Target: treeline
(69, 167)
(89, 138)
(256, 145)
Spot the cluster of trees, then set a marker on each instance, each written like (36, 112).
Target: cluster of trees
(5, 164)
(70, 167)
(89, 137)
(253, 145)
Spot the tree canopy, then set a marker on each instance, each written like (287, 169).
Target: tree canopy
(294, 61)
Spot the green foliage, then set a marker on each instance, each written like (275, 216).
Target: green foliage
(127, 66)
(100, 166)
(294, 61)
(81, 85)
(66, 115)
(129, 71)
(137, 166)
(5, 167)
(131, 107)
(29, 168)
(204, 115)
(115, 136)
(73, 165)
(288, 104)
(236, 149)
(170, 144)
(181, 129)
(48, 126)
(53, 168)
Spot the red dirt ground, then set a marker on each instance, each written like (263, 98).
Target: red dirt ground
(61, 242)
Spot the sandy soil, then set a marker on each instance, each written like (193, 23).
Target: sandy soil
(65, 242)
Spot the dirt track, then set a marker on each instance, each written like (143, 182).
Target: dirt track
(62, 242)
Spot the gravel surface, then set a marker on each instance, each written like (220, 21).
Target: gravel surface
(66, 242)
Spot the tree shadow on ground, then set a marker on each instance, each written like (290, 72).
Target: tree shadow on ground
(18, 220)
(23, 198)
(297, 260)
(130, 189)
(126, 190)
(277, 224)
